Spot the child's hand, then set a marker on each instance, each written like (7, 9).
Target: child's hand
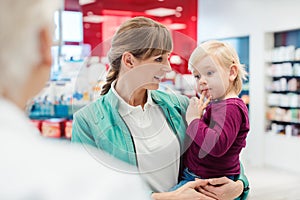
(196, 108)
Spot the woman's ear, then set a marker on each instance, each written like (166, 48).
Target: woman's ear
(45, 47)
(233, 72)
(128, 59)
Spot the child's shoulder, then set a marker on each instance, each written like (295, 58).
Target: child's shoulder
(236, 104)
(235, 101)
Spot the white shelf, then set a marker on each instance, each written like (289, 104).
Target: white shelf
(282, 151)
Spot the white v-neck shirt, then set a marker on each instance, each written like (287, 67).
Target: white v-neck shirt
(157, 147)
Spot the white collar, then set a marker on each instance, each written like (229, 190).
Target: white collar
(125, 108)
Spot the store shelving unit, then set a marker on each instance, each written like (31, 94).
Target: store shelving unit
(282, 141)
(52, 110)
(283, 86)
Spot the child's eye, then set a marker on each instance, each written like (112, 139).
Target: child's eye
(209, 73)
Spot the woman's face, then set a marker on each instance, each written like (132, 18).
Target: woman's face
(211, 78)
(149, 73)
(157, 67)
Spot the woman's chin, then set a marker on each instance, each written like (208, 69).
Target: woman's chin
(153, 86)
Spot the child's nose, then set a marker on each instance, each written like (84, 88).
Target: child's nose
(202, 80)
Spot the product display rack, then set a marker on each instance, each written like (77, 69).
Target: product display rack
(281, 140)
(283, 84)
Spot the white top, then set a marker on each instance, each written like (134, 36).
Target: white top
(157, 147)
(33, 167)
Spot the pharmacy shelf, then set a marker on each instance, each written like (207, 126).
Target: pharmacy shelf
(287, 77)
(286, 122)
(286, 61)
(283, 92)
(283, 109)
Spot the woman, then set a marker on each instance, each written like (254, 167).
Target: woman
(140, 125)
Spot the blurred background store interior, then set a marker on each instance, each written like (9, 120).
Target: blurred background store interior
(266, 35)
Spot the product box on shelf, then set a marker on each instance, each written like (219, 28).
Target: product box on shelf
(68, 129)
(37, 123)
(54, 128)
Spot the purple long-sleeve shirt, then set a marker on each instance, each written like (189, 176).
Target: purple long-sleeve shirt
(218, 138)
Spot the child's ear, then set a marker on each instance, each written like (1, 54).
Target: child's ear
(233, 72)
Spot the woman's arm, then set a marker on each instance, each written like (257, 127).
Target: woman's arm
(243, 178)
(226, 189)
(185, 192)
(223, 188)
(218, 188)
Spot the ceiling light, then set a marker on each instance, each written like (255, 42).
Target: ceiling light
(193, 18)
(174, 59)
(93, 18)
(178, 14)
(83, 2)
(177, 26)
(179, 8)
(161, 12)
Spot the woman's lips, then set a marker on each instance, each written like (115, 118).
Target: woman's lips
(159, 77)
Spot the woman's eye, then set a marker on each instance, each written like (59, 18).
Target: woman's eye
(159, 59)
(197, 76)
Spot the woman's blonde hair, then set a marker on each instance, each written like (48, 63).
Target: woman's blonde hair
(225, 55)
(143, 38)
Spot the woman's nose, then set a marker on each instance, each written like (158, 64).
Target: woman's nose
(167, 67)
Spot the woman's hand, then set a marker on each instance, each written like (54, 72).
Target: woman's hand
(196, 107)
(185, 192)
(223, 188)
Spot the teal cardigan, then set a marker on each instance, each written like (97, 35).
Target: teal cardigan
(100, 125)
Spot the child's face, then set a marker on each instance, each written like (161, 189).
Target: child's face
(211, 78)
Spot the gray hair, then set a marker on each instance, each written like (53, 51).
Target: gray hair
(21, 22)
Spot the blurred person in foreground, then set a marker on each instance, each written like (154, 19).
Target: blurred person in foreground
(33, 167)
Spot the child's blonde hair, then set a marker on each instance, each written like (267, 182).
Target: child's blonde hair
(225, 55)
